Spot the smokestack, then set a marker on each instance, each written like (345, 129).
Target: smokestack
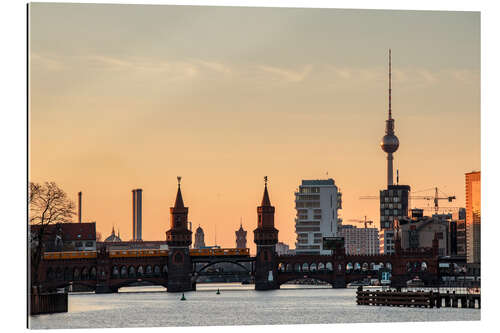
(139, 214)
(79, 207)
(133, 215)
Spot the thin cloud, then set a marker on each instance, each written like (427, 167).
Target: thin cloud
(214, 66)
(46, 62)
(286, 74)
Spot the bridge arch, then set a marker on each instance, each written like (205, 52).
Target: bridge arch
(156, 271)
(329, 266)
(349, 267)
(364, 267)
(76, 274)
(123, 272)
(357, 266)
(115, 273)
(423, 266)
(131, 271)
(222, 261)
(149, 270)
(85, 274)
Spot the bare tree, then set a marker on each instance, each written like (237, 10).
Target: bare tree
(48, 204)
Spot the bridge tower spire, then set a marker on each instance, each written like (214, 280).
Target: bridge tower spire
(265, 237)
(178, 240)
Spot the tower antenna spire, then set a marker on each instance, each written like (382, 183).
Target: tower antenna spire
(390, 88)
(390, 142)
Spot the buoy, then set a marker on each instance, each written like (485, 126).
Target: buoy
(218, 291)
(183, 298)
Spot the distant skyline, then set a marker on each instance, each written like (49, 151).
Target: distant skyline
(131, 96)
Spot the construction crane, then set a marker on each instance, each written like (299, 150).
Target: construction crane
(434, 198)
(362, 221)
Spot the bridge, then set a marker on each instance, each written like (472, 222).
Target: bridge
(178, 268)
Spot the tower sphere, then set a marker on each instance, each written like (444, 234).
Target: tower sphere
(390, 143)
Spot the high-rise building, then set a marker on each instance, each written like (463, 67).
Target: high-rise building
(360, 240)
(199, 238)
(393, 205)
(473, 216)
(459, 217)
(241, 238)
(317, 203)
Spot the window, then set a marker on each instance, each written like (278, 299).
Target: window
(78, 244)
(89, 244)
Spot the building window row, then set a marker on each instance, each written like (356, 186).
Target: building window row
(308, 197)
(313, 204)
(309, 190)
(302, 223)
(299, 229)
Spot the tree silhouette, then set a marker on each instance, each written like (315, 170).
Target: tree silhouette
(48, 204)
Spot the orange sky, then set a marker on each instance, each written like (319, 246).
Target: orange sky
(125, 97)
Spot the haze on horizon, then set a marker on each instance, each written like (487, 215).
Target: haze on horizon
(131, 96)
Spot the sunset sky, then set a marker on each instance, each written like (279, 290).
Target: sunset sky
(131, 96)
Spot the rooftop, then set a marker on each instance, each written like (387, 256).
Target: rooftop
(316, 182)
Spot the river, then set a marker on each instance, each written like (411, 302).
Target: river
(235, 305)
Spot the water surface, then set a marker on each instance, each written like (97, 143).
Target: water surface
(236, 305)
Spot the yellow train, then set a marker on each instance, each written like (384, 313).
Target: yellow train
(69, 255)
(219, 252)
(137, 253)
(143, 253)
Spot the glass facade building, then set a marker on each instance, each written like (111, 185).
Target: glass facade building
(473, 216)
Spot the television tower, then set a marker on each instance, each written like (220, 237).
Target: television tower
(390, 142)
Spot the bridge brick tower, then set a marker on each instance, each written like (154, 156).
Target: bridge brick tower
(180, 268)
(266, 237)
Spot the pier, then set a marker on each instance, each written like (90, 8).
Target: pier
(423, 297)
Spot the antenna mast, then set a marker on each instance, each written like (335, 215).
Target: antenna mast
(390, 88)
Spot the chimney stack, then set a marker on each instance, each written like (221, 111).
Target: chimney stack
(79, 207)
(139, 215)
(133, 215)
